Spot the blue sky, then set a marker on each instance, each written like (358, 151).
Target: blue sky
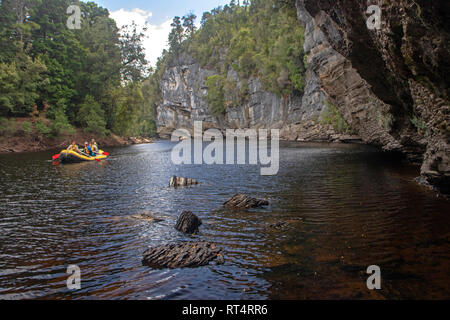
(158, 15)
(163, 9)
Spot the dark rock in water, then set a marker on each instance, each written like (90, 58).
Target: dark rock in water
(188, 222)
(283, 225)
(182, 255)
(242, 201)
(279, 225)
(176, 182)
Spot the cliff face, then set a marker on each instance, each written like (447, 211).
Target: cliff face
(391, 84)
(184, 94)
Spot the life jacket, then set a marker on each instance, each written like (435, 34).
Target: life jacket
(73, 147)
(91, 152)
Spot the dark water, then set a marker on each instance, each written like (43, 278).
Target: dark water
(346, 207)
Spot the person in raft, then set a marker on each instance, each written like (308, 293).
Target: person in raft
(73, 147)
(88, 149)
(94, 146)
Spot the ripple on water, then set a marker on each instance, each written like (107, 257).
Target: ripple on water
(345, 207)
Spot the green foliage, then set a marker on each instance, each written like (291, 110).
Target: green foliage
(8, 126)
(216, 95)
(131, 117)
(133, 54)
(332, 116)
(92, 117)
(60, 124)
(27, 127)
(42, 128)
(20, 82)
(43, 63)
(176, 36)
(419, 123)
(189, 23)
(264, 41)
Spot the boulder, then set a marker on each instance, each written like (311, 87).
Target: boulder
(188, 222)
(176, 182)
(182, 255)
(242, 201)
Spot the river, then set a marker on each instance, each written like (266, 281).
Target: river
(346, 207)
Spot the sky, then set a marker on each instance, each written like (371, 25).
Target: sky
(158, 14)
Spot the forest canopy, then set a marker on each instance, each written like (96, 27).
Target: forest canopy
(97, 77)
(89, 77)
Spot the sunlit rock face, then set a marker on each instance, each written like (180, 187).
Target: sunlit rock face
(391, 84)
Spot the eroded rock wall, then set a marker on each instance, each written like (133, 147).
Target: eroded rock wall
(184, 92)
(391, 84)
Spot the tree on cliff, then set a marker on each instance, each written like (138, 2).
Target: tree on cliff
(189, 24)
(176, 36)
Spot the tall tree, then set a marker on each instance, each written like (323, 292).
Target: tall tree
(134, 64)
(176, 36)
(189, 23)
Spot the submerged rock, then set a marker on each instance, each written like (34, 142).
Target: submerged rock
(145, 216)
(182, 255)
(188, 222)
(242, 201)
(279, 225)
(287, 224)
(176, 182)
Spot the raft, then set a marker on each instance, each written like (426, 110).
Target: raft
(68, 156)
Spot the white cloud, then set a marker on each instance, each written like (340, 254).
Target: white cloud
(156, 35)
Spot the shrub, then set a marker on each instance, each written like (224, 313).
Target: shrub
(332, 116)
(8, 126)
(60, 124)
(42, 128)
(27, 127)
(216, 95)
(92, 117)
(419, 123)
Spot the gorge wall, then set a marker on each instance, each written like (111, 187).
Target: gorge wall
(390, 85)
(184, 101)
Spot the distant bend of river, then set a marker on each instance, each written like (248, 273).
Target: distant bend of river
(346, 207)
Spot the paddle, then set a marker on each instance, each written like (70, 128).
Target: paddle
(56, 156)
(98, 160)
(105, 153)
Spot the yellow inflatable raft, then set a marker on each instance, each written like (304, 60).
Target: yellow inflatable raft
(68, 156)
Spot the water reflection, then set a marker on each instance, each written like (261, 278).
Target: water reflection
(339, 209)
